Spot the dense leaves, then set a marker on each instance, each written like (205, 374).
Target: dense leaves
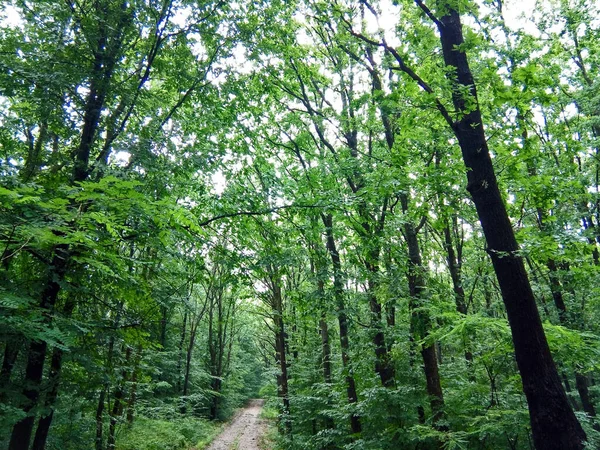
(202, 199)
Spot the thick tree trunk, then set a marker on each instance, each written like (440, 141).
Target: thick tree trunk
(553, 423)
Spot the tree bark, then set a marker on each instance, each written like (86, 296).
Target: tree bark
(36, 356)
(41, 433)
(553, 423)
(280, 353)
(99, 442)
(117, 409)
(420, 321)
(11, 352)
(338, 292)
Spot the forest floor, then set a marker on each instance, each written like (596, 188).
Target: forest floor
(244, 431)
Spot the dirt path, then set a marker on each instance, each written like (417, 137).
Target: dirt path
(244, 430)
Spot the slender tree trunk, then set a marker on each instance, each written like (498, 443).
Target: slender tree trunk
(188, 365)
(383, 366)
(180, 352)
(117, 410)
(100, 420)
(133, 390)
(36, 356)
(581, 381)
(41, 434)
(325, 348)
(338, 292)
(103, 66)
(553, 423)
(420, 321)
(280, 353)
(163, 326)
(455, 269)
(11, 352)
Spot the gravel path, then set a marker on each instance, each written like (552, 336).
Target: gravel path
(244, 430)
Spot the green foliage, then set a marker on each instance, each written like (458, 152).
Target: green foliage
(233, 144)
(153, 434)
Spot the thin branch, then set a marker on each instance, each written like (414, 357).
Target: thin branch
(429, 14)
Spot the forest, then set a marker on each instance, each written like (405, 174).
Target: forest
(380, 216)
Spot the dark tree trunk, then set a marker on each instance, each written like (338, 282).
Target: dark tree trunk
(188, 365)
(117, 410)
(100, 79)
(180, 352)
(326, 349)
(41, 433)
(133, 390)
(338, 292)
(420, 321)
(581, 381)
(280, 354)
(36, 356)
(11, 352)
(553, 423)
(325, 346)
(164, 311)
(100, 420)
(455, 269)
(383, 366)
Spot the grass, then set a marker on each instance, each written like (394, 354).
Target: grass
(155, 434)
(269, 415)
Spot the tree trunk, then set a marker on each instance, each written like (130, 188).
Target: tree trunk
(11, 352)
(338, 292)
(117, 409)
(133, 390)
(553, 423)
(100, 419)
(420, 321)
(326, 349)
(180, 352)
(280, 354)
(36, 357)
(581, 382)
(102, 71)
(41, 433)
(325, 346)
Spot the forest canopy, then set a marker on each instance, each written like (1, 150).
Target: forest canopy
(381, 216)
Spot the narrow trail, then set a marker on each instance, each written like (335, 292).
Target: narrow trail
(244, 431)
